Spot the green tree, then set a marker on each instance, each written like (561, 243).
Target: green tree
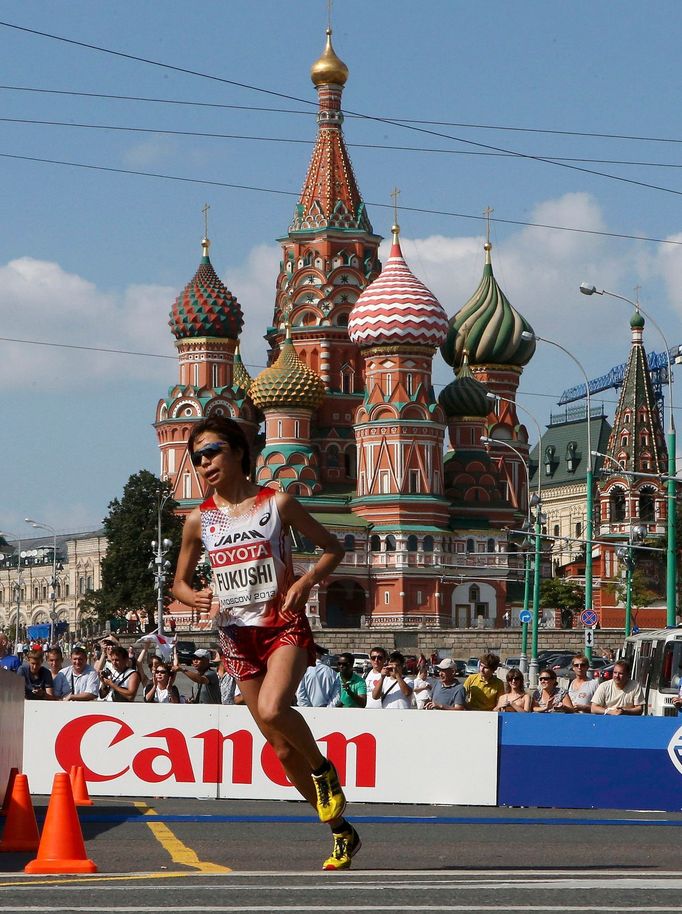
(130, 527)
(563, 594)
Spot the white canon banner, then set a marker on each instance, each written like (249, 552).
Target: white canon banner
(216, 751)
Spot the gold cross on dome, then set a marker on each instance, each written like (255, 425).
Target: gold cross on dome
(395, 193)
(205, 208)
(330, 10)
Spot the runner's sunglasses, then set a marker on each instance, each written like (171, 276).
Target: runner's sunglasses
(209, 451)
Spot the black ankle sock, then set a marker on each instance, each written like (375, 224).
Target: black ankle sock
(323, 769)
(340, 827)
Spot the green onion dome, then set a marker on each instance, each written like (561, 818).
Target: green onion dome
(465, 396)
(489, 327)
(287, 382)
(206, 307)
(240, 375)
(637, 321)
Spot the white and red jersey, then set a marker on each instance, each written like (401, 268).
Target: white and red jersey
(251, 560)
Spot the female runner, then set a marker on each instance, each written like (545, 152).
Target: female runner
(264, 633)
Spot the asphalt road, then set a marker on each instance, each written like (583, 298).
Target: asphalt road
(191, 855)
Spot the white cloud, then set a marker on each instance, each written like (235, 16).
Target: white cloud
(149, 152)
(41, 301)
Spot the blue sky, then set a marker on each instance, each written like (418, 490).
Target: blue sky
(95, 258)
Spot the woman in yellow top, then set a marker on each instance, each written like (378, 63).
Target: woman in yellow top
(484, 688)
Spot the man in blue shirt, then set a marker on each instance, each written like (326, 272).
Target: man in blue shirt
(320, 686)
(447, 694)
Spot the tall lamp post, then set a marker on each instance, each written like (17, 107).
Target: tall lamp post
(589, 510)
(533, 502)
(17, 583)
(160, 563)
(671, 557)
(53, 593)
(523, 659)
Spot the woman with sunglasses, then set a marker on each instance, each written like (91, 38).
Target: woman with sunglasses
(259, 609)
(161, 689)
(581, 689)
(515, 697)
(549, 697)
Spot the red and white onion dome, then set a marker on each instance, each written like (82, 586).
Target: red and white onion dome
(397, 308)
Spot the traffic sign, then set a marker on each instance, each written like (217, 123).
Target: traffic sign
(589, 637)
(525, 616)
(588, 617)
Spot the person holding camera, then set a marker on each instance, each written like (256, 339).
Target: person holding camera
(37, 678)
(392, 688)
(122, 682)
(353, 689)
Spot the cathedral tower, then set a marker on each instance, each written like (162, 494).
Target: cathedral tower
(328, 257)
(206, 320)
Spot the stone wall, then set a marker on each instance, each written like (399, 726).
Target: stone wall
(453, 642)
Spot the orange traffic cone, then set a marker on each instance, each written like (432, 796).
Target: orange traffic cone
(80, 788)
(61, 849)
(21, 828)
(8, 790)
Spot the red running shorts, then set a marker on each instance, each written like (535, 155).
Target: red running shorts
(246, 648)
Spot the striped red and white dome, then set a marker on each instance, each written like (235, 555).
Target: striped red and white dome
(397, 308)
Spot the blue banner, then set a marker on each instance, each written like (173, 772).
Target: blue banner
(578, 761)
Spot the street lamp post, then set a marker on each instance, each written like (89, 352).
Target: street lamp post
(626, 555)
(533, 502)
(589, 509)
(160, 563)
(671, 557)
(523, 659)
(17, 583)
(53, 594)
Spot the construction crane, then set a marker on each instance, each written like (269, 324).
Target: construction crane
(658, 367)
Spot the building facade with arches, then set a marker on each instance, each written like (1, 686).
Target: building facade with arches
(28, 576)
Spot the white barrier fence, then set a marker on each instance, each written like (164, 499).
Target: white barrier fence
(216, 751)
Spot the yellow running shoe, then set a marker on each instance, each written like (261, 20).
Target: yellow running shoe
(346, 846)
(331, 800)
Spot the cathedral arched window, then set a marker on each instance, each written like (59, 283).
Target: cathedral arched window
(375, 543)
(349, 542)
(578, 530)
(490, 545)
(555, 532)
(471, 546)
(624, 441)
(412, 543)
(474, 594)
(646, 504)
(350, 461)
(617, 505)
(390, 543)
(427, 545)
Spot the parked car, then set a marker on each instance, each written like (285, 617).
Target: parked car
(185, 651)
(512, 662)
(331, 660)
(361, 663)
(461, 667)
(471, 666)
(411, 661)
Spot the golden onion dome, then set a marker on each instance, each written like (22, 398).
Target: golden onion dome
(329, 68)
(287, 382)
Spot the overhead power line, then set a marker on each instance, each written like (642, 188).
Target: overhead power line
(291, 193)
(403, 120)
(160, 131)
(370, 117)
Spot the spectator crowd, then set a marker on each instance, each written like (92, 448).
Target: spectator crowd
(115, 673)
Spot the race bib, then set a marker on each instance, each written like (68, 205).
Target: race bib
(243, 574)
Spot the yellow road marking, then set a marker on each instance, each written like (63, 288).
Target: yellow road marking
(178, 852)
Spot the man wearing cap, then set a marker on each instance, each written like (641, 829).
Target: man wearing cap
(447, 694)
(82, 682)
(320, 686)
(208, 692)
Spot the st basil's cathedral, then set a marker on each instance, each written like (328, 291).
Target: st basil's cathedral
(352, 426)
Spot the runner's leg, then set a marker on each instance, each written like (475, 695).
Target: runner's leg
(297, 769)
